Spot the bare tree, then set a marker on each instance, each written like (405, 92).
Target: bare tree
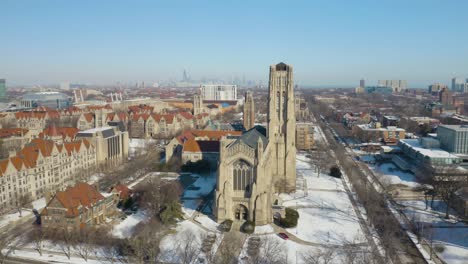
(145, 246)
(188, 247)
(85, 239)
(38, 236)
(271, 251)
(323, 256)
(24, 200)
(228, 249)
(67, 239)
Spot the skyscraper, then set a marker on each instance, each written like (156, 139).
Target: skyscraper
(457, 84)
(2, 89)
(362, 83)
(396, 85)
(248, 113)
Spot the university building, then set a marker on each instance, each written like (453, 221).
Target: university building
(260, 162)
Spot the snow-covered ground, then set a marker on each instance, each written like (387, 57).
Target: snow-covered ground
(124, 229)
(54, 257)
(393, 175)
(264, 229)
(451, 235)
(138, 144)
(326, 215)
(207, 222)
(186, 231)
(12, 217)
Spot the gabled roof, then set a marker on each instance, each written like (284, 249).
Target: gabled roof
(89, 116)
(210, 134)
(64, 132)
(123, 191)
(81, 195)
(11, 132)
(252, 136)
(187, 115)
(193, 145)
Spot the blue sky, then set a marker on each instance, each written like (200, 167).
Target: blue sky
(329, 42)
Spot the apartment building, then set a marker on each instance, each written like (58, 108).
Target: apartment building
(218, 92)
(374, 132)
(304, 136)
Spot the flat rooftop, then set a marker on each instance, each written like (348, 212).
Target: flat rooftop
(456, 127)
(432, 153)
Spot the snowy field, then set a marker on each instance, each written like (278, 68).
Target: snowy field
(393, 175)
(186, 234)
(124, 229)
(326, 215)
(14, 216)
(138, 144)
(451, 235)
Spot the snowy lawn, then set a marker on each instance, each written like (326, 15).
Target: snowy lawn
(327, 226)
(393, 175)
(125, 228)
(12, 217)
(185, 231)
(264, 229)
(54, 257)
(207, 222)
(450, 235)
(326, 215)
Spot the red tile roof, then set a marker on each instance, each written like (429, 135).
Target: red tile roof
(65, 132)
(81, 195)
(193, 145)
(12, 132)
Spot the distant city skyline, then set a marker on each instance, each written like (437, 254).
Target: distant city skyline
(329, 43)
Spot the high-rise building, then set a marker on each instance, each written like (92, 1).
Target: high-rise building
(249, 111)
(396, 85)
(219, 92)
(362, 83)
(445, 97)
(455, 83)
(65, 86)
(436, 88)
(2, 89)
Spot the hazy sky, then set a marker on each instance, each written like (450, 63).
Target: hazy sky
(328, 42)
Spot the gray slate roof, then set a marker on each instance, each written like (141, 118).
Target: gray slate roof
(251, 137)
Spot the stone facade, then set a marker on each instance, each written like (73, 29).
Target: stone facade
(44, 166)
(260, 162)
(249, 111)
(110, 143)
(78, 206)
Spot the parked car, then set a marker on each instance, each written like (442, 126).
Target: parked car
(283, 236)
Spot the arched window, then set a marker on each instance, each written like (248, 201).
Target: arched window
(243, 176)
